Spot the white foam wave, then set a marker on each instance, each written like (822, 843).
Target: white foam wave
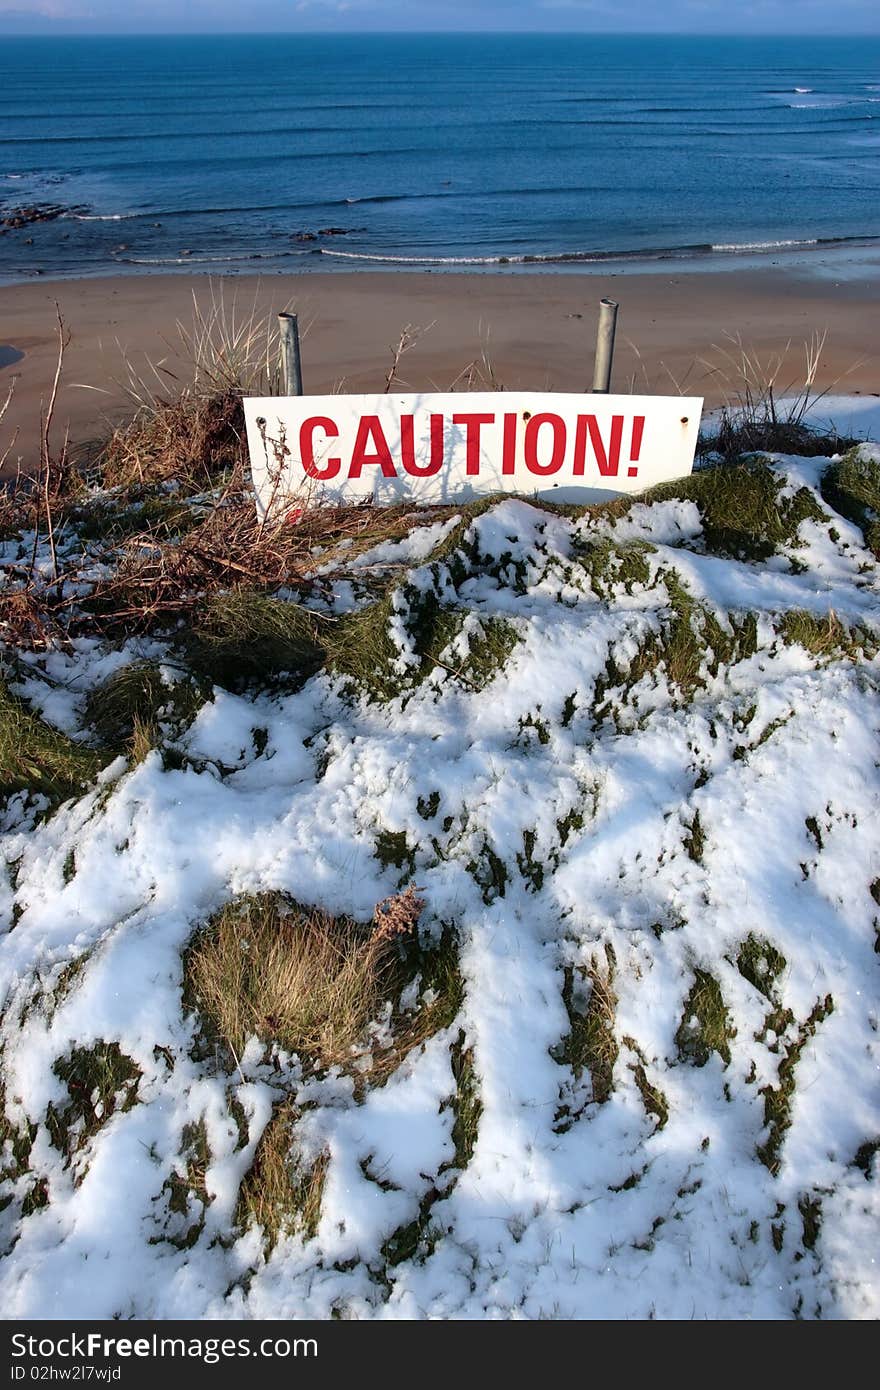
(102, 216)
(422, 260)
(762, 245)
(803, 91)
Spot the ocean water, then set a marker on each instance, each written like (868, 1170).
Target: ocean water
(267, 153)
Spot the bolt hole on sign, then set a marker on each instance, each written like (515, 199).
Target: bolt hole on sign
(454, 447)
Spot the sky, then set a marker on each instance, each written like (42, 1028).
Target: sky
(793, 17)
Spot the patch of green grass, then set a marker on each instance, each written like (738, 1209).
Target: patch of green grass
(392, 849)
(691, 647)
(695, 840)
(244, 635)
(852, 487)
(742, 750)
(281, 1193)
(188, 1196)
(361, 646)
(489, 648)
(16, 1143)
(139, 693)
(705, 1025)
(417, 1239)
(761, 964)
(591, 1044)
(531, 868)
(613, 564)
(743, 514)
(865, 1154)
(568, 825)
(810, 1209)
(827, 637)
(436, 964)
(653, 1099)
(100, 1080)
(532, 725)
(778, 1100)
(428, 806)
(467, 1106)
(113, 520)
(37, 758)
(489, 872)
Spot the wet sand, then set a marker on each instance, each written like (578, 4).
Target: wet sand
(536, 330)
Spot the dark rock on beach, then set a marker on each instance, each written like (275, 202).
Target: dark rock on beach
(12, 219)
(325, 231)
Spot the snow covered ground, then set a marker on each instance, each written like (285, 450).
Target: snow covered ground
(652, 830)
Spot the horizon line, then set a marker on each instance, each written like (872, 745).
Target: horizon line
(436, 33)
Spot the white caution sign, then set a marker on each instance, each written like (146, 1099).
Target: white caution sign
(453, 447)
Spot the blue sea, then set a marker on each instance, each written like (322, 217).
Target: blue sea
(277, 153)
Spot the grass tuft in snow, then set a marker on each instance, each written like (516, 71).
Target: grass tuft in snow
(37, 758)
(591, 1043)
(435, 965)
(187, 1193)
(778, 1099)
(761, 964)
(267, 968)
(244, 635)
(100, 1080)
(362, 646)
(827, 637)
(281, 1193)
(690, 649)
(489, 872)
(852, 487)
(16, 1143)
(393, 850)
(417, 1239)
(743, 512)
(362, 649)
(705, 1023)
(653, 1098)
(127, 708)
(695, 840)
(467, 1106)
(613, 564)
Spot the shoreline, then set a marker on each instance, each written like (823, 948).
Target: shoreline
(534, 330)
(841, 256)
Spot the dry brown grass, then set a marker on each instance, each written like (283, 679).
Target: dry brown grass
(303, 979)
(189, 439)
(591, 1043)
(398, 916)
(144, 738)
(281, 1193)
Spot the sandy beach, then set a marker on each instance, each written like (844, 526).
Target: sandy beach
(536, 330)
